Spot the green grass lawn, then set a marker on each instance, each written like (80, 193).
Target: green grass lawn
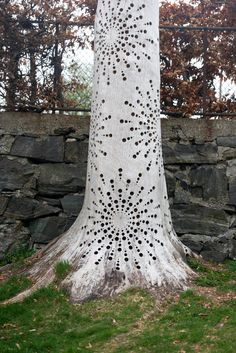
(199, 320)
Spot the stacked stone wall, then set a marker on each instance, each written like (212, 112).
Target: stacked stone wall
(43, 160)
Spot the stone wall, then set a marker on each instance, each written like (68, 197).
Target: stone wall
(43, 172)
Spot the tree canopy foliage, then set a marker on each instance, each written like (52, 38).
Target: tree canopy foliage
(35, 36)
(192, 60)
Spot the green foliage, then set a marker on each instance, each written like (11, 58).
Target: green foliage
(12, 286)
(17, 256)
(62, 268)
(78, 85)
(129, 323)
(224, 280)
(192, 325)
(47, 322)
(196, 265)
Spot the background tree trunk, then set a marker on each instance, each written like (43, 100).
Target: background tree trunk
(124, 235)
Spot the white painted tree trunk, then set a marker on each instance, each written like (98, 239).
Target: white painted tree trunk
(124, 235)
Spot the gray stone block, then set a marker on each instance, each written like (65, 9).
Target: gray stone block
(233, 225)
(182, 194)
(226, 141)
(64, 131)
(48, 148)
(195, 242)
(60, 179)
(231, 168)
(182, 175)
(15, 173)
(221, 248)
(198, 129)
(72, 204)
(13, 235)
(230, 238)
(25, 208)
(76, 151)
(45, 229)
(197, 192)
(50, 201)
(232, 191)
(216, 252)
(189, 154)
(170, 181)
(195, 219)
(225, 153)
(6, 142)
(217, 249)
(212, 180)
(3, 204)
(20, 123)
(233, 249)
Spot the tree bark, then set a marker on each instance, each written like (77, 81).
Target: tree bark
(124, 236)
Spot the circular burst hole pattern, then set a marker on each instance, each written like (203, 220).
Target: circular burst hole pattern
(122, 37)
(142, 126)
(123, 221)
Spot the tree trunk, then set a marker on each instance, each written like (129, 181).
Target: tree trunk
(33, 77)
(124, 235)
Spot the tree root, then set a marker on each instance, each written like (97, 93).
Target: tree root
(87, 281)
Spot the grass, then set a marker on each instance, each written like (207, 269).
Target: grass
(17, 256)
(222, 278)
(200, 320)
(12, 286)
(61, 269)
